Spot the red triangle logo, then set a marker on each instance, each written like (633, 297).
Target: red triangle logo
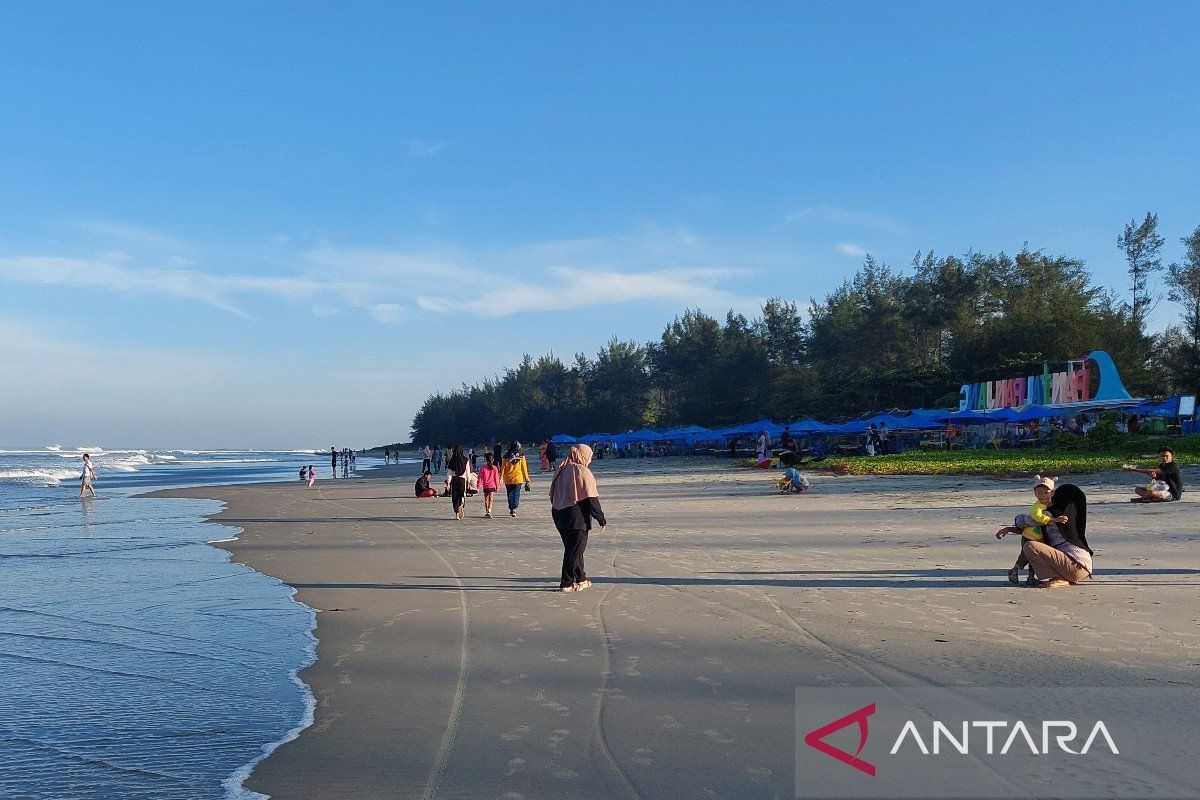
(816, 739)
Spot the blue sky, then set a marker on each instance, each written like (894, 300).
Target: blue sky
(283, 225)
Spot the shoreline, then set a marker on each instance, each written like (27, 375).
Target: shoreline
(409, 690)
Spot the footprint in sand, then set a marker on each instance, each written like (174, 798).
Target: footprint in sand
(514, 766)
(759, 773)
(563, 773)
(644, 756)
(717, 736)
(517, 733)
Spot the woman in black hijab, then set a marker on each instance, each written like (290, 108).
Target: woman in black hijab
(459, 467)
(1063, 557)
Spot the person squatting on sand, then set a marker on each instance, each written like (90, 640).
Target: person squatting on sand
(514, 471)
(489, 482)
(1030, 526)
(459, 467)
(1166, 482)
(1062, 556)
(792, 481)
(574, 503)
(422, 488)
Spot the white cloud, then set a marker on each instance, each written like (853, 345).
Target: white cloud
(423, 147)
(649, 264)
(135, 237)
(851, 249)
(388, 312)
(834, 216)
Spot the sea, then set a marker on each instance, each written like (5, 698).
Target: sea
(136, 660)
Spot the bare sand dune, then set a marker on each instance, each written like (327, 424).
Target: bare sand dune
(448, 668)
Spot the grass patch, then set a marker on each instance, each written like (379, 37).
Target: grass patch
(1001, 463)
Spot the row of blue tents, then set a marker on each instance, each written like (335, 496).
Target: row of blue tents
(916, 420)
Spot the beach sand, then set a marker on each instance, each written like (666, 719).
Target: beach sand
(448, 668)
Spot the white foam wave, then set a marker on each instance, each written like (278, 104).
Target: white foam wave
(234, 785)
(41, 477)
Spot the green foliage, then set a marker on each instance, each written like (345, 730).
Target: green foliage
(882, 339)
(1015, 463)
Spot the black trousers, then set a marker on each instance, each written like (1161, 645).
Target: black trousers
(458, 490)
(574, 543)
(425, 464)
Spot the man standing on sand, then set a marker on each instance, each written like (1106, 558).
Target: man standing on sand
(333, 460)
(86, 478)
(426, 459)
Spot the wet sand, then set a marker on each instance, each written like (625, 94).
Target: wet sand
(447, 667)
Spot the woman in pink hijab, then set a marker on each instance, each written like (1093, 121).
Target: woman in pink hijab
(575, 502)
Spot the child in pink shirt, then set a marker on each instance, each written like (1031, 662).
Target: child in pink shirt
(489, 482)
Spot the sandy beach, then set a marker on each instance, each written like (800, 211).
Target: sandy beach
(448, 668)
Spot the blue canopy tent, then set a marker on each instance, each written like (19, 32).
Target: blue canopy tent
(909, 423)
(811, 425)
(963, 418)
(563, 438)
(853, 426)
(592, 438)
(1032, 412)
(1167, 408)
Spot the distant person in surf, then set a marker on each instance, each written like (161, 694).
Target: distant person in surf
(312, 476)
(574, 503)
(86, 477)
(303, 474)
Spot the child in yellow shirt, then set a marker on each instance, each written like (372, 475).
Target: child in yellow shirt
(1031, 525)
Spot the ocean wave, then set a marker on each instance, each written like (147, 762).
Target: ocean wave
(37, 476)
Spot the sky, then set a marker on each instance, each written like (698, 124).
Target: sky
(280, 225)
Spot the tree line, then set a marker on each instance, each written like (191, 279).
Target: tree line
(883, 339)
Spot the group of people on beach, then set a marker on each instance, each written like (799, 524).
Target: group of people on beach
(574, 496)
(464, 478)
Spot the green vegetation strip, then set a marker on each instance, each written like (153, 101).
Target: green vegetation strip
(997, 463)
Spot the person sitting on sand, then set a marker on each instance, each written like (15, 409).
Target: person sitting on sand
(1063, 557)
(422, 487)
(792, 481)
(1166, 483)
(1030, 526)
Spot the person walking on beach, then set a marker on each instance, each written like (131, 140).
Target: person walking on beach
(552, 454)
(497, 450)
(543, 449)
(333, 460)
(86, 477)
(312, 476)
(459, 467)
(514, 471)
(574, 503)
(426, 459)
(489, 482)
